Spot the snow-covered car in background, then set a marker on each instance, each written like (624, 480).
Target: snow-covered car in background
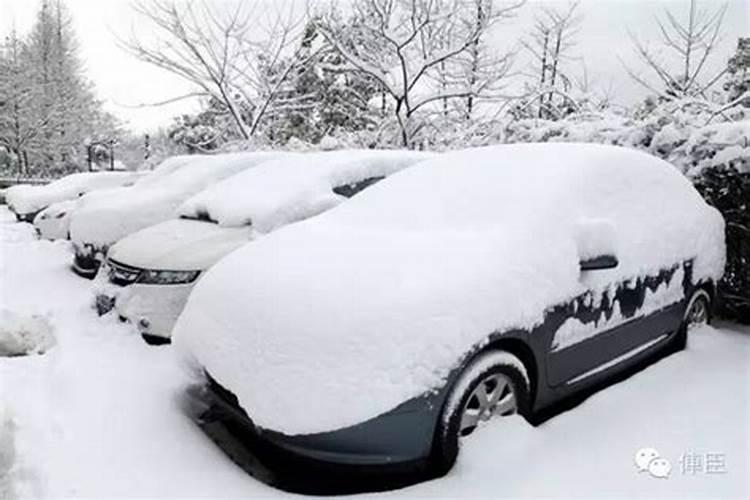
(101, 221)
(151, 272)
(53, 222)
(484, 282)
(26, 201)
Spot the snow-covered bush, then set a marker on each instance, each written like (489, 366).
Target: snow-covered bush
(23, 334)
(728, 190)
(717, 145)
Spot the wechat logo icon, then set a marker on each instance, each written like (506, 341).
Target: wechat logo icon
(648, 459)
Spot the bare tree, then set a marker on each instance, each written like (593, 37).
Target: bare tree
(690, 43)
(419, 51)
(550, 44)
(238, 54)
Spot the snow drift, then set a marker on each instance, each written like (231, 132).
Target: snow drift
(377, 300)
(22, 334)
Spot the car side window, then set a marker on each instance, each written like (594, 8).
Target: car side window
(349, 190)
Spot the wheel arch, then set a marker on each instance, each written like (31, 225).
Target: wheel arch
(520, 349)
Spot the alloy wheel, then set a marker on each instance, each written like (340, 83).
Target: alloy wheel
(493, 396)
(698, 313)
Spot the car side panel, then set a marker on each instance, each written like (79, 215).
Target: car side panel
(594, 352)
(614, 324)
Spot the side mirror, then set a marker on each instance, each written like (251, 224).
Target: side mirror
(600, 262)
(596, 242)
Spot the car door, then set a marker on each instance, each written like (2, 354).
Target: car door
(600, 329)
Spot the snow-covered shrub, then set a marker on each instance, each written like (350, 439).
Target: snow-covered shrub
(729, 191)
(23, 334)
(717, 145)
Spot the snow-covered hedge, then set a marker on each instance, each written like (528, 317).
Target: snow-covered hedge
(728, 189)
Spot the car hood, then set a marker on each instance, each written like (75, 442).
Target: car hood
(179, 244)
(103, 220)
(367, 317)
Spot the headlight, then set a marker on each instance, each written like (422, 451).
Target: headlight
(167, 277)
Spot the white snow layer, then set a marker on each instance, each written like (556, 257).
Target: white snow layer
(375, 301)
(293, 188)
(97, 416)
(26, 199)
(102, 220)
(24, 334)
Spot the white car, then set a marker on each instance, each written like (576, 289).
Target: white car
(101, 221)
(26, 201)
(150, 273)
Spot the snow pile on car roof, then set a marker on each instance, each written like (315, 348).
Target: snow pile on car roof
(293, 188)
(102, 220)
(30, 199)
(332, 321)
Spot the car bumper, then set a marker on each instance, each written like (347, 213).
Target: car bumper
(86, 261)
(153, 309)
(29, 217)
(400, 438)
(52, 228)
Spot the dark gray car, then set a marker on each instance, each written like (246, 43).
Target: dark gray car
(604, 257)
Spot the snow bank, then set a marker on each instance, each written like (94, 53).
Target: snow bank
(375, 301)
(30, 199)
(102, 220)
(292, 188)
(22, 334)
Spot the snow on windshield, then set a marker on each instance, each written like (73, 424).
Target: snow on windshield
(292, 188)
(102, 220)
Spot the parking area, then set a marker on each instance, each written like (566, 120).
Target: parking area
(98, 415)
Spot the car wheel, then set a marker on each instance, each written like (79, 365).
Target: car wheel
(697, 313)
(495, 384)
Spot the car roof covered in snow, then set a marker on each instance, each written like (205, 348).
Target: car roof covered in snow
(390, 290)
(102, 220)
(293, 188)
(29, 199)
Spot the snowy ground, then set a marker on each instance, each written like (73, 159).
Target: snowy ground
(97, 415)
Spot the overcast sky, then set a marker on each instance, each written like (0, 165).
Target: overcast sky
(123, 82)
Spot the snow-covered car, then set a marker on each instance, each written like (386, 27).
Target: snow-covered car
(151, 272)
(25, 201)
(492, 281)
(101, 221)
(53, 222)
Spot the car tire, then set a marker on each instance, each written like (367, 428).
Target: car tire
(462, 405)
(698, 311)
